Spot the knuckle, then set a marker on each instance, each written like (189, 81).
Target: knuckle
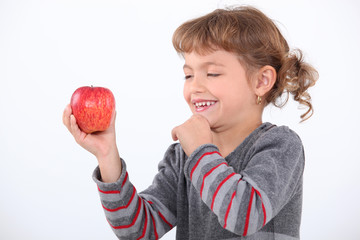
(199, 118)
(195, 118)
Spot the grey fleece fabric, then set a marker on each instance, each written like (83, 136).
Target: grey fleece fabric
(254, 193)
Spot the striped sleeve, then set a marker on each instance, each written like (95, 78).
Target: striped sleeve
(132, 215)
(243, 202)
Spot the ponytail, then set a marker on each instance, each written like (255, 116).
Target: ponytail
(294, 77)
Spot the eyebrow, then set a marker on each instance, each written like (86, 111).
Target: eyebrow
(205, 64)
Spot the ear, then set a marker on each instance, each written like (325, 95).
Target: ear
(265, 80)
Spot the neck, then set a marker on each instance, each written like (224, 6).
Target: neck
(228, 139)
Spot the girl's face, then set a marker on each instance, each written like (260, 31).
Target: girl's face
(216, 87)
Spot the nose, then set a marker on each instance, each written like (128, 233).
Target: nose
(197, 84)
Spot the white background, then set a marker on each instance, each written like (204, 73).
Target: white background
(50, 48)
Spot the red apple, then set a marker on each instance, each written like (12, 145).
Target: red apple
(93, 108)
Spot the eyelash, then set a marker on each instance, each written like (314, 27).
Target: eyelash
(213, 74)
(209, 75)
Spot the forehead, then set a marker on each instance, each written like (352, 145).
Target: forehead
(219, 58)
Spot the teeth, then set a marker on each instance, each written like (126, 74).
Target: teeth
(202, 104)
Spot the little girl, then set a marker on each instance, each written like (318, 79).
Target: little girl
(231, 176)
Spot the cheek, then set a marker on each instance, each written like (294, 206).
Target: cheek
(186, 94)
(187, 97)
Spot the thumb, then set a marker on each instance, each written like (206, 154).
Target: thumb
(112, 122)
(113, 118)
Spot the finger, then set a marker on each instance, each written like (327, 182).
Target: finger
(174, 134)
(66, 116)
(199, 119)
(74, 129)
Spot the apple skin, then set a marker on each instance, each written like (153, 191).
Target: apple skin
(93, 108)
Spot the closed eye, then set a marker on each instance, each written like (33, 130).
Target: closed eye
(188, 76)
(213, 74)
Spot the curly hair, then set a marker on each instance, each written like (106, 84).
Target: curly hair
(257, 42)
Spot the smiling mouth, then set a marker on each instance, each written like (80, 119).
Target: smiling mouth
(203, 105)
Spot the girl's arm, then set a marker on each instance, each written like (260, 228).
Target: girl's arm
(146, 215)
(245, 201)
(101, 144)
(131, 215)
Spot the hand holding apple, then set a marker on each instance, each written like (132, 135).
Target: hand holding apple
(102, 143)
(93, 108)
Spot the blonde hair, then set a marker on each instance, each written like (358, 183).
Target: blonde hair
(257, 41)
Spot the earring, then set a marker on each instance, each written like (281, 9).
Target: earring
(259, 100)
